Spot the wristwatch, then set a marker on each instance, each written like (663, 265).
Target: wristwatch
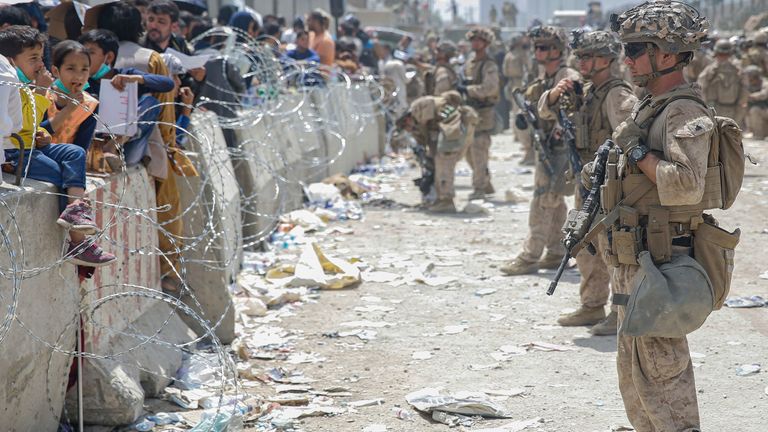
(637, 153)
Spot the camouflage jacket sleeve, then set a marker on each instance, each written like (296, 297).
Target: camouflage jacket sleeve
(549, 112)
(618, 105)
(760, 95)
(687, 135)
(489, 87)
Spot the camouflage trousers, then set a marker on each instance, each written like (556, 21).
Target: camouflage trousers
(594, 288)
(445, 170)
(545, 219)
(655, 375)
(478, 154)
(757, 121)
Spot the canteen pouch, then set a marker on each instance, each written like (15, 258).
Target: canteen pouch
(658, 235)
(625, 246)
(714, 248)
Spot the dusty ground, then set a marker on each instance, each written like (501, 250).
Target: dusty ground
(571, 391)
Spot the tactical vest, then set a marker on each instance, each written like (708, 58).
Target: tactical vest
(592, 126)
(533, 93)
(477, 78)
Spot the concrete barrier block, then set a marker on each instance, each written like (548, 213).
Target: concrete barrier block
(122, 325)
(212, 220)
(34, 376)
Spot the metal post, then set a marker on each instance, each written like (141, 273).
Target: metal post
(80, 424)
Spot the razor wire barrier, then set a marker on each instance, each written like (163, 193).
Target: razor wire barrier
(287, 134)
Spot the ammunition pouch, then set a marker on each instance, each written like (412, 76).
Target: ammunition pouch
(581, 129)
(714, 248)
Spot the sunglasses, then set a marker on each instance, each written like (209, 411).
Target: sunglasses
(585, 57)
(543, 47)
(634, 50)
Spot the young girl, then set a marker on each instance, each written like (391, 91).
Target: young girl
(70, 122)
(60, 164)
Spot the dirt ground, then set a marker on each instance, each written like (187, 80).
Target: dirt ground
(574, 390)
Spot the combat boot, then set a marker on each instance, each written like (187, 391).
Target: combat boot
(550, 261)
(608, 326)
(528, 159)
(583, 316)
(489, 189)
(476, 195)
(443, 206)
(519, 266)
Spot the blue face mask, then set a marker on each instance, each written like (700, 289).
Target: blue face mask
(65, 90)
(103, 70)
(22, 76)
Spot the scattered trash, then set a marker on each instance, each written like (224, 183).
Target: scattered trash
(479, 367)
(748, 369)
(361, 334)
(421, 355)
(303, 357)
(371, 324)
(162, 418)
(315, 268)
(746, 302)
(402, 414)
(375, 428)
(468, 403)
(454, 329)
(304, 218)
(475, 209)
(516, 426)
(379, 276)
(366, 403)
(374, 308)
(452, 420)
(506, 352)
(506, 393)
(485, 291)
(620, 428)
(764, 275)
(547, 347)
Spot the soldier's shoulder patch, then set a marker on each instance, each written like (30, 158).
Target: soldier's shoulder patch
(694, 128)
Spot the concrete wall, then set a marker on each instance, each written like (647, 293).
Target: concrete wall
(33, 378)
(133, 331)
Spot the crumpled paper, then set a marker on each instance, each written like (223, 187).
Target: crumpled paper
(466, 403)
(315, 268)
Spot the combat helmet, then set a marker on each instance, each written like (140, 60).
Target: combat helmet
(761, 38)
(671, 26)
(753, 71)
(599, 43)
(723, 46)
(483, 33)
(448, 47)
(549, 35)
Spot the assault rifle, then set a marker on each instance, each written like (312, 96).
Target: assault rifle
(580, 221)
(527, 117)
(569, 136)
(427, 164)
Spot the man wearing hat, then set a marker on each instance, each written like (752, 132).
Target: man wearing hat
(481, 89)
(757, 102)
(607, 101)
(722, 83)
(757, 54)
(548, 209)
(449, 125)
(442, 77)
(519, 69)
(659, 190)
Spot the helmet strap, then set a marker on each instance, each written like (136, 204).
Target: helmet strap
(643, 80)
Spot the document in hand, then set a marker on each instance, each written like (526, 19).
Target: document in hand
(118, 110)
(188, 61)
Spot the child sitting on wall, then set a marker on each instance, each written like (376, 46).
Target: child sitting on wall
(60, 164)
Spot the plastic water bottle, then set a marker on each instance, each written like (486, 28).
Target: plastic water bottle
(144, 425)
(402, 414)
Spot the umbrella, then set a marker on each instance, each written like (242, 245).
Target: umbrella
(57, 18)
(193, 6)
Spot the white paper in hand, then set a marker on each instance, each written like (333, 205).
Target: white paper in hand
(118, 110)
(188, 61)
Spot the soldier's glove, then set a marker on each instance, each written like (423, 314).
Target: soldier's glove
(629, 134)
